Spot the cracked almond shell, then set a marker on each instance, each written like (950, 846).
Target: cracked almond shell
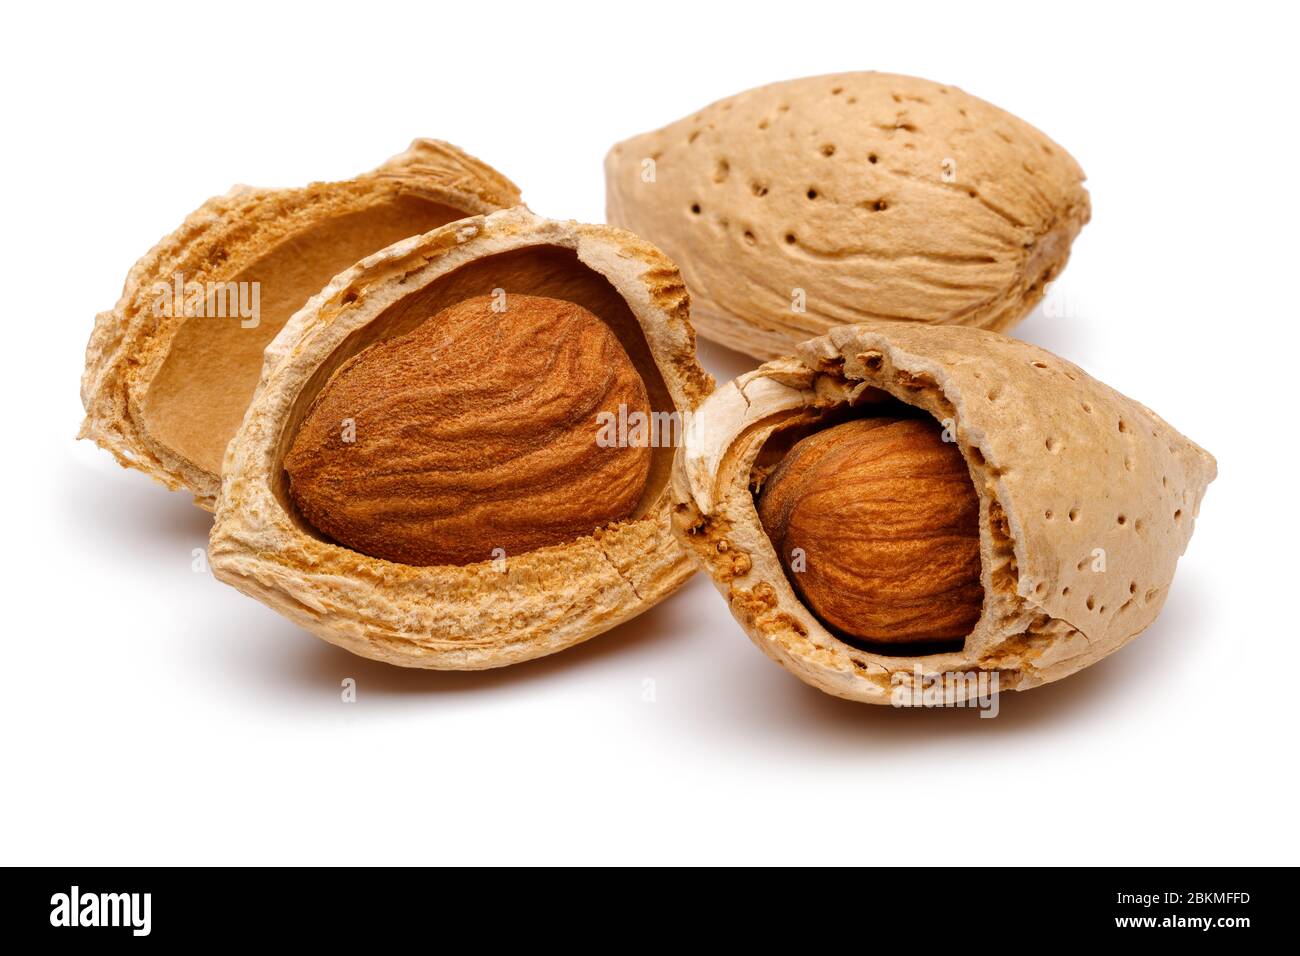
(1063, 466)
(485, 614)
(165, 393)
(868, 195)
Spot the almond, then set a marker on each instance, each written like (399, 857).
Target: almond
(803, 205)
(877, 524)
(1086, 500)
(477, 518)
(476, 431)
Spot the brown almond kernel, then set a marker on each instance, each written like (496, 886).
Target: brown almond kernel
(877, 524)
(476, 431)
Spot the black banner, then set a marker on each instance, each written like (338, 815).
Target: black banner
(135, 906)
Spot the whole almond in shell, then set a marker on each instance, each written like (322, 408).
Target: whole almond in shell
(802, 205)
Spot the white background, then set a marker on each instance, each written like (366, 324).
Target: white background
(151, 715)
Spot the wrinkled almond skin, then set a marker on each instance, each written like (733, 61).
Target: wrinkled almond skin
(476, 431)
(887, 522)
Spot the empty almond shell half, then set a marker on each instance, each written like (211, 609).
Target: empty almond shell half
(1086, 501)
(854, 197)
(171, 368)
(492, 612)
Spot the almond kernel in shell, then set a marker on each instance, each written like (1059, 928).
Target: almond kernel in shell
(885, 520)
(476, 431)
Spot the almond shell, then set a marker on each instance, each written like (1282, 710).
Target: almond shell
(491, 613)
(1087, 500)
(853, 197)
